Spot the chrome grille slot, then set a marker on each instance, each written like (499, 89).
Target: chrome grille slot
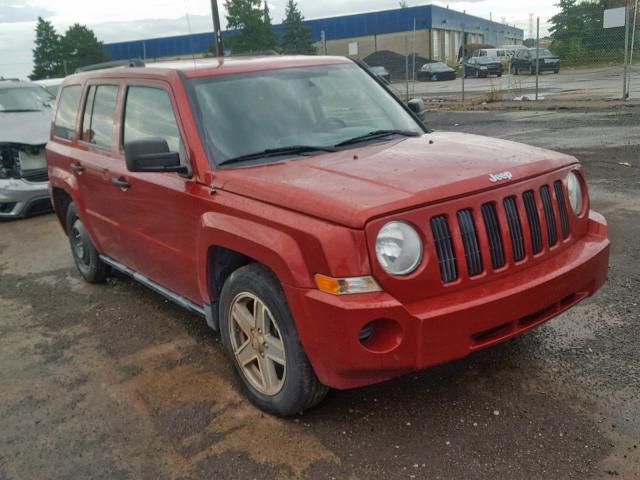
(470, 242)
(444, 248)
(562, 207)
(492, 226)
(552, 232)
(515, 228)
(534, 221)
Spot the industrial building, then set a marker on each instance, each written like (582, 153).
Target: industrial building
(428, 30)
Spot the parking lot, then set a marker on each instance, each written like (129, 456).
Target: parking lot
(112, 381)
(603, 82)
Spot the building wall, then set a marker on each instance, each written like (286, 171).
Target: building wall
(438, 28)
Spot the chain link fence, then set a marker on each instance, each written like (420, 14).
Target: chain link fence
(587, 62)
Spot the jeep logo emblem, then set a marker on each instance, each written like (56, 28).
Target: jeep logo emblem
(497, 177)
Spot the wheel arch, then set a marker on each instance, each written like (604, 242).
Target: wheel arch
(226, 243)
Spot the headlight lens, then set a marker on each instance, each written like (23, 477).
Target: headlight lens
(574, 188)
(398, 248)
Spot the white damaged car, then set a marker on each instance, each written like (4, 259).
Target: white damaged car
(25, 121)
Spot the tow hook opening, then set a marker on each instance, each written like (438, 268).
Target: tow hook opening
(382, 335)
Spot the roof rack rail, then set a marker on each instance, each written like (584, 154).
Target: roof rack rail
(258, 53)
(3, 79)
(134, 62)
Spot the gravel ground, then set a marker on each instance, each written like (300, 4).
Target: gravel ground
(113, 382)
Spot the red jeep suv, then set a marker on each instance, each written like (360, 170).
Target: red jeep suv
(309, 215)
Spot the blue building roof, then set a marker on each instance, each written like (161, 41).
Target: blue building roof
(347, 26)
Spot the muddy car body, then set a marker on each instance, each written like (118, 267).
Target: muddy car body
(307, 214)
(25, 120)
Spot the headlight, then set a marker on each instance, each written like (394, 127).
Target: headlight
(398, 248)
(574, 188)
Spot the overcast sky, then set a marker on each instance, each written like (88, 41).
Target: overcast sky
(120, 20)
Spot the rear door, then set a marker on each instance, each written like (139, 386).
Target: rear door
(160, 211)
(97, 159)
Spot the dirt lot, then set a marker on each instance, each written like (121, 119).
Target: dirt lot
(114, 382)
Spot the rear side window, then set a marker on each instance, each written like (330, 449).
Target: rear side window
(149, 114)
(65, 122)
(99, 115)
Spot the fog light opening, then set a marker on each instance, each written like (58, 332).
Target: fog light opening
(381, 336)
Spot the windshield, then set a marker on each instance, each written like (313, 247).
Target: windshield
(544, 52)
(320, 106)
(20, 99)
(438, 67)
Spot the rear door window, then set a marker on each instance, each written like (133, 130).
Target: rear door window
(65, 122)
(99, 115)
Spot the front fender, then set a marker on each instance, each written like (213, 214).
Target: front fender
(273, 248)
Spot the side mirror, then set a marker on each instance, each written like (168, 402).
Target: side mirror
(416, 105)
(152, 155)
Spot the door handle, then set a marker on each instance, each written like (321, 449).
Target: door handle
(77, 167)
(121, 183)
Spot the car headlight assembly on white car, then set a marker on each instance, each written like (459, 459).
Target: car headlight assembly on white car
(399, 248)
(574, 189)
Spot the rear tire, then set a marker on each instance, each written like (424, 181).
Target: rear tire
(532, 71)
(84, 254)
(254, 315)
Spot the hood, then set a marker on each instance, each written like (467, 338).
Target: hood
(28, 128)
(352, 186)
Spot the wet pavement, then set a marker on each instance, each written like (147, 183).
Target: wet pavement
(112, 381)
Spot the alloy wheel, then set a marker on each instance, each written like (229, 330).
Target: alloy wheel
(257, 344)
(78, 243)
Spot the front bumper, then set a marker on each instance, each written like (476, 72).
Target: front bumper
(21, 198)
(446, 327)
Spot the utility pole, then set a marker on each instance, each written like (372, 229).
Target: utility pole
(216, 29)
(537, 55)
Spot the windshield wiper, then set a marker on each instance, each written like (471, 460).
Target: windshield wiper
(277, 152)
(19, 110)
(378, 134)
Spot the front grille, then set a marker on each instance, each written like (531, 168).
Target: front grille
(7, 207)
(470, 242)
(38, 206)
(444, 249)
(471, 238)
(40, 175)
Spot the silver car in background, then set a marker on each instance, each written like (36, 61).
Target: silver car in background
(25, 120)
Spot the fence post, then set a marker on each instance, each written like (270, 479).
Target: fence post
(537, 57)
(633, 44)
(625, 93)
(464, 54)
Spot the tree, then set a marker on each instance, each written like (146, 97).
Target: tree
(578, 33)
(250, 18)
(80, 47)
(46, 55)
(296, 37)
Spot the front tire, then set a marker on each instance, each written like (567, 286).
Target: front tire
(84, 254)
(260, 337)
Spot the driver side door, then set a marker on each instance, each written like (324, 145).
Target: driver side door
(161, 213)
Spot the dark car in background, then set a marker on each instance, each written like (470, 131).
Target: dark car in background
(382, 73)
(435, 72)
(482, 67)
(25, 121)
(525, 61)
